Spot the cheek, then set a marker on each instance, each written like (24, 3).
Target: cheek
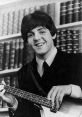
(30, 41)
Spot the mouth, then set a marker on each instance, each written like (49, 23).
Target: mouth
(39, 44)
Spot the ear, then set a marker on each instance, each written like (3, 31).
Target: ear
(54, 36)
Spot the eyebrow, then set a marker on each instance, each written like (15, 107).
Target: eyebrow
(40, 28)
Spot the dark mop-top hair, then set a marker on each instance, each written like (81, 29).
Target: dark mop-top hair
(35, 19)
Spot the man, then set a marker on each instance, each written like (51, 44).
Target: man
(52, 73)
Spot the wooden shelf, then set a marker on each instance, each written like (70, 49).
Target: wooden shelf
(79, 23)
(8, 71)
(10, 36)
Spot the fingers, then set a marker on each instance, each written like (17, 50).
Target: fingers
(3, 83)
(51, 92)
(2, 93)
(56, 95)
(2, 90)
(1, 87)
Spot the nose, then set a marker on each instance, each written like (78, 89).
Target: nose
(37, 36)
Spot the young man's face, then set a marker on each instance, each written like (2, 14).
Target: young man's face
(41, 40)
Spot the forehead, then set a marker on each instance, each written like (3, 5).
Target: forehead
(38, 28)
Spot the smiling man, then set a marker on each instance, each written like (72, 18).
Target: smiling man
(52, 73)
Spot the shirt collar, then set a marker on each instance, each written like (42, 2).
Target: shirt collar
(49, 60)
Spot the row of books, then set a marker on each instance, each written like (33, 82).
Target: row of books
(11, 21)
(10, 81)
(68, 40)
(70, 11)
(11, 54)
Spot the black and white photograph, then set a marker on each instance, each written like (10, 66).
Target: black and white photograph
(40, 58)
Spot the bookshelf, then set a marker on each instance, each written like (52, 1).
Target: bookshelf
(69, 35)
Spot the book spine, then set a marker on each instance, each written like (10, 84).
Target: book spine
(69, 13)
(15, 21)
(31, 9)
(69, 40)
(6, 55)
(26, 11)
(80, 40)
(10, 23)
(51, 10)
(37, 8)
(20, 16)
(80, 14)
(1, 55)
(76, 11)
(44, 8)
(63, 11)
(21, 46)
(1, 24)
(5, 24)
(12, 54)
(58, 39)
(16, 53)
(75, 38)
(63, 40)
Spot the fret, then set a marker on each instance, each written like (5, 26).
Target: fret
(29, 96)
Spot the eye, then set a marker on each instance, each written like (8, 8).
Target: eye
(42, 32)
(30, 35)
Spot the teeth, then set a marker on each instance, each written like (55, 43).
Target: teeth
(39, 44)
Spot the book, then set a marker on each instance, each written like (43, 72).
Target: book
(58, 39)
(80, 40)
(1, 24)
(20, 17)
(75, 37)
(63, 40)
(15, 21)
(5, 24)
(6, 55)
(51, 10)
(16, 58)
(76, 10)
(44, 8)
(80, 14)
(1, 55)
(12, 54)
(69, 13)
(20, 55)
(63, 11)
(10, 22)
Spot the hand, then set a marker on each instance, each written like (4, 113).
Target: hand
(2, 91)
(56, 95)
(8, 98)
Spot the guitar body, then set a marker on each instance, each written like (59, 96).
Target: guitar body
(68, 109)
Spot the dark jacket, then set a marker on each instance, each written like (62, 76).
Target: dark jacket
(65, 69)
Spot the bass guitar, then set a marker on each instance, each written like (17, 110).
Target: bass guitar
(68, 109)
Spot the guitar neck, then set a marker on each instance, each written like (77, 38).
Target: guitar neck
(29, 96)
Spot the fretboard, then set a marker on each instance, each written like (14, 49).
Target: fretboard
(29, 96)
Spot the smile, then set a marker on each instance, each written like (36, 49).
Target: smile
(39, 44)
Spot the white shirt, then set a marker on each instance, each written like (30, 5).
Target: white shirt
(49, 61)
